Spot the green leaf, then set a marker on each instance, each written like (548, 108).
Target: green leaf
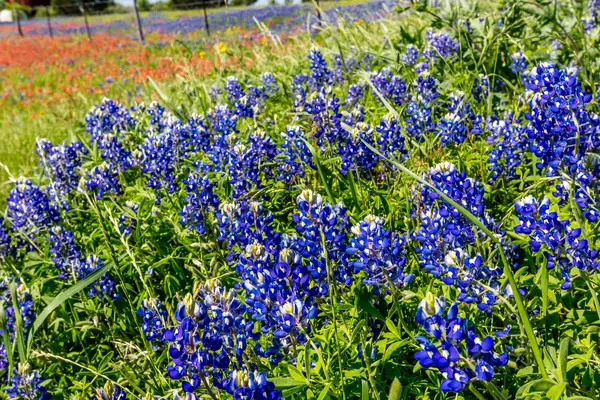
(562, 359)
(18, 323)
(296, 374)
(392, 327)
(325, 392)
(539, 385)
(556, 391)
(287, 383)
(395, 390)
(64, 296)
(364, 394)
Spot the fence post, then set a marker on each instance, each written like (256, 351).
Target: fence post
(87, 25)
(18, 18)
(48, 18)
(138, 21)
(319, 11)
(205, 18)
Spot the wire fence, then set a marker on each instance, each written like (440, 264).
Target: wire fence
(91, 18)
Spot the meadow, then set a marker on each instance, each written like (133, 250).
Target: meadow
(399, 201)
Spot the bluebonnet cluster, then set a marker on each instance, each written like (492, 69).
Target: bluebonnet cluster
(155, 320)
(242, 222)
(481, 87)
(251, 385)
(268, 80)
(378, 252)
(357, 158)
(320, 74)
(356, 91)
(519, 63)
(105, 286)
(295, 155)
(199, 201)
(210, 340)
(29, 209)
(324, 109)
(563, 133)
(128, 219)
(562, 246)
(25, 304)
(391, 141)
(7, 249)
(439, 44)
(246, 163)
(72, 264)
(110, 392)
(316, 218)
(460, 121)
(26, 384)
(106, 125)
(454, 349)
(389, 85)
(419, 122)
(509, 143)
(103, 179)
(410, 55)
(446, 237)
(62, 165)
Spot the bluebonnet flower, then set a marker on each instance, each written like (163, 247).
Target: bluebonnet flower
(320, 75)
(519, 63)
(391, 142)
(214, 92)
(210, 337)
(410, 55)
(268, 79)
(561, 245)
(356, 115)
(454, 349)
(161, 157)
(455, 126)
(481, 86)
(509, 142)
(439, 45)
(103, 179)
(250, 385)
(25, 304)
(445, 237)
(419, 122)
(295, 155)
(356, 91)
(29, 209)
(246, 163)
(26, 308)
(128, 219)
(66, 254)
(110, 392)
(199, 201)
(389, 85)
(242, 223)
(425, 86)
(26, 384)
(7, 249)
(234, 89)
(558, 116)
(378, 252)
(356, 157)
(62, 164)
(104, 287)
(107, 125)
(314, 219)
(324, 109)
(154, 321)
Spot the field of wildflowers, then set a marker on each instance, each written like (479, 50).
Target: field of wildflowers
(399, 204)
